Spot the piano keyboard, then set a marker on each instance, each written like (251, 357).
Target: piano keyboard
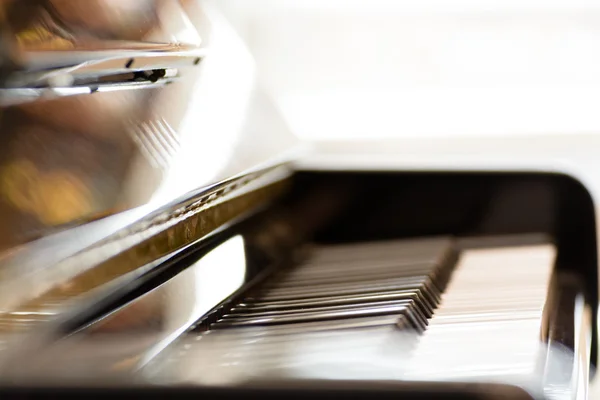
(385, 310)
(334, 290)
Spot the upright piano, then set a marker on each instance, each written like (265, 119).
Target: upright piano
(164, 234)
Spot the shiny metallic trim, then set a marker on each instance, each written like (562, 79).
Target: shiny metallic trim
(100, 72)
(11, 97)
(112, 56)
(89, 65)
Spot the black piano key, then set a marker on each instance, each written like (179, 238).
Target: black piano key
(327, 314)
(407, 311)
(422, 302)
(399, 320)
(316, 301)
(422, 284)
(428, 296)
(311, 311)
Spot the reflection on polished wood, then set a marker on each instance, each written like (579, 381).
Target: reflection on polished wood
(131, 252)
(81, 141)
(64, 162)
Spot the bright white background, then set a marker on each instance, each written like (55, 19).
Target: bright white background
(397, 68)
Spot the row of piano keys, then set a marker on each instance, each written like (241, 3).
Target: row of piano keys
(416, 309)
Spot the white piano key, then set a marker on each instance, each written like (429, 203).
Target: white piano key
(489, 319)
